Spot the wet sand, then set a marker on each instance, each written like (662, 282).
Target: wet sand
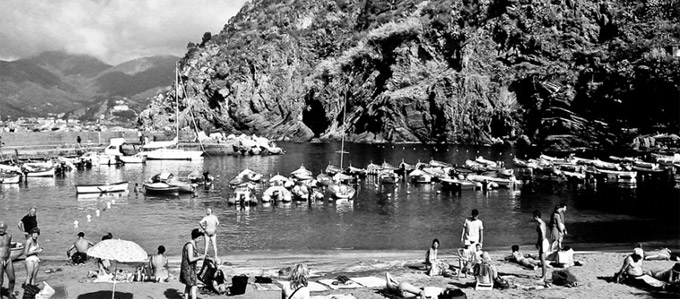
(71, 282)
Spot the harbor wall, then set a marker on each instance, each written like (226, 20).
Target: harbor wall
(88, 138)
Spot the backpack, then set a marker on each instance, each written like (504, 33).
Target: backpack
(452, 294)
(564, 278)
(238, 285)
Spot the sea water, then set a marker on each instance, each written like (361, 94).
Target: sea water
(381, 217)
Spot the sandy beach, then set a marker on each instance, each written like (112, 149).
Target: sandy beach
(70, 281)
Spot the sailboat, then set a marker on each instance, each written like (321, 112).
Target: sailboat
(162, 150)
(339, 190)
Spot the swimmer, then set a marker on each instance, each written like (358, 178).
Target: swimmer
(209, 225)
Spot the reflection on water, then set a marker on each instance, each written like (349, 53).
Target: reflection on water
(400, 216)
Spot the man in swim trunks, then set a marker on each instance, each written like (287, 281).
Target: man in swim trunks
(542, 243)
(209, 225)
(80, 246)
(473, 231)
(6, 265)
(28, 222)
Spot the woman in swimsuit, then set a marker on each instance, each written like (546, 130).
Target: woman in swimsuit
(298, 283)
(31, 251)
(187, 274)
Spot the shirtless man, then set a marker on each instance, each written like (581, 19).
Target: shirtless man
(542, 243)
(209, 225)
(80, 246)
(159, 266)
(6, 265)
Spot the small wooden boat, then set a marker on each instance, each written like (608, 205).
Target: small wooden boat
(332, 169)
(16, 250)
(487, 163)
(436, 173)
(38, 169)
(102, 188)
(242, 197)
(420, 177)
(342, 191)
(440, 164)
(509, 183)
(301, 172)
(388, 177)
(10, 178)
(372, 169)
(343, 178)
(169, 179)
(456, 184)
(354, 171)
(276, 194)
(160, 188)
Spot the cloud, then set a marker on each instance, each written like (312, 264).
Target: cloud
(114, 31)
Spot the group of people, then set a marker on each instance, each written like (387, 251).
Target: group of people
(631, 271)
(29, 226)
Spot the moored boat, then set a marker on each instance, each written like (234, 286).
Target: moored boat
(10, 178)
(102, 188)
(387, 177)
(160, 188)
(16, 250)
(420, 177)
(457, 184)
(342, 191)
(243, 197)
(276, 194)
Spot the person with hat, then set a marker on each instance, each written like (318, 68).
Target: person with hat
(81, 245)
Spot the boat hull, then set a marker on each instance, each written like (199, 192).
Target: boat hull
(103, 188)
(160, 188)
(174, 154)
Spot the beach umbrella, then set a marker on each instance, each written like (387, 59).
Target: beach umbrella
(118, 250)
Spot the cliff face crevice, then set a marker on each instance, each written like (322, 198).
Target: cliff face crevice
(564, 73)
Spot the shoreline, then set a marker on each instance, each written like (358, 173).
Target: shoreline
(71, 281)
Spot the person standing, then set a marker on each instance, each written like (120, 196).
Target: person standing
(473, 231)
(557, 227)
(31, 251)
(190, 257)
(29, 222)
(6, 264)
(209, 225)
(542, 243)
(81, 245)
(78, 140)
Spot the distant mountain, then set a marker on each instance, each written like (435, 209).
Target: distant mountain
(58, 82)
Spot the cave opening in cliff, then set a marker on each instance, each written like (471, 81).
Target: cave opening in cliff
(314, 116)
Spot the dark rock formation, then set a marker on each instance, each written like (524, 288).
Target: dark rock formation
(562, 73)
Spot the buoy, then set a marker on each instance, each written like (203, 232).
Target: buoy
(408, 192)
(108, 205)
(97, 212)
(89, 217)
(75, 224)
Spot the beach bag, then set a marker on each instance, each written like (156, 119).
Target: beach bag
(564, 278)
(500, 283)
(238, 285)
(30, 291)
(452, 294)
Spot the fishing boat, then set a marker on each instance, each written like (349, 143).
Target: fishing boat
(440, 164)
(170, 180)
(354, 171)
(344, 179)
(160, 188)
(509, 183)
(456, 184)
(332, 169)
(342, 191)
(102, 188)
(387, 177)
(276, 194)
(420, 177)
(301, 173)
(10, 168)
(487, 163)
(10, 178)
(38, 169)
(115, 149)
(243, 197)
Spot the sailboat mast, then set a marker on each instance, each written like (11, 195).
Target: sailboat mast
(176, 105)
(342, 143)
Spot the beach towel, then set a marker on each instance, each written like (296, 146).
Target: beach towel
(335, 284)
(312, 285)
(371, 282)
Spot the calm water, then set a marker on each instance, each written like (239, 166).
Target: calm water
(381, 217)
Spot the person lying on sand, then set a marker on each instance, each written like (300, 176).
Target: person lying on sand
(524, 260)
(404, 289)
(671, 275)
(663, 254)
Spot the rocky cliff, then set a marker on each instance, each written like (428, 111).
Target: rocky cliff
(561, 73)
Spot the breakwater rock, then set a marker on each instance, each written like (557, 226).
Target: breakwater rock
(561, 74)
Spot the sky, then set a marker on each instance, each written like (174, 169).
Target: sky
(114, 31)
